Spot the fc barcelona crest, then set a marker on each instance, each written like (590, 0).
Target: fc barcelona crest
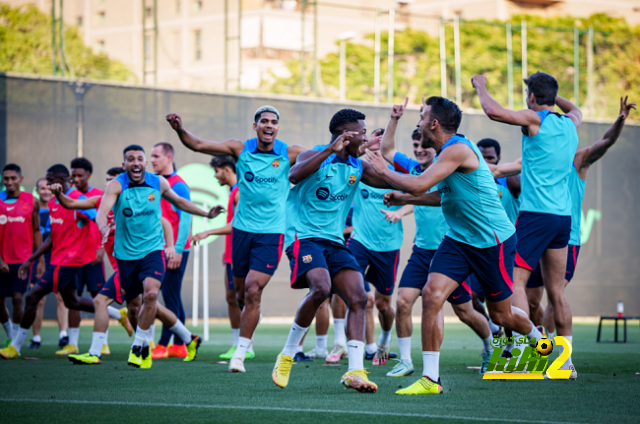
(152, 197)
(306, 259)
(352, 179)
(275, 163)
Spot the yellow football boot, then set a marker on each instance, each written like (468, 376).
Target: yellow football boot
(124, 321)
(192, 348)
(84, 359)
(105, 350)
(424, 386)
(135, 357)
(147, 360)
(9, 352)
(68, 350)
(359, 381)
(282, 370)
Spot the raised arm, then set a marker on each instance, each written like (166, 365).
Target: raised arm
(73, 204)
(506, 169)
(182, 203)
(570, 110)
(495, 112)
(228, 147)
(371, 178)
(310, 160)
(109, 198)
(388, 144)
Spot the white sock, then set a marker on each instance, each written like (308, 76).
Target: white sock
(299, 348)
(487, 344)
(568, 361)
(534, 333)
(170, 340)
(250, 348)
(431, 362)
(8, 329)
(18, 339)
(181, 331)
(63, 334)
(113, 313)
(152, 332)
(140, 337)
(371, 348)
(74, 335)
(146, 341)
(243, 345)
(355, 349)
(494, 328)
(96, 343)
(235, 333)
(552, 335)
(385, 338)
(15, 328)
(37, 338)
(293, 341)
(405, 349)
(321, 343)
(106, 337)
(338, 329)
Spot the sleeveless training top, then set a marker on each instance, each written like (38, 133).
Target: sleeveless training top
(231, 210)
(511, 204)
(471, 205)
(263, 182)
(174, 215)
(576, 188)
(71, 238)
(318, 206)
(16, 227)
(138, 214)
(546, 165)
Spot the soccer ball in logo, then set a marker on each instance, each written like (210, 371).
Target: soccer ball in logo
(544, 347)
(322, 193)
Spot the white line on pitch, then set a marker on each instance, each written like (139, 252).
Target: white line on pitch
(274, 408)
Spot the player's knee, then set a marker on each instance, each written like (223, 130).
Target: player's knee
(357, 301)
(370, 302)
(99, 302)
(403, 306)
(319, 295)
(382, 304)
(253, 294)
(31, 300)
(17, 300)
(533, 305)
(431, 296)
(231, 298)
(151, 295)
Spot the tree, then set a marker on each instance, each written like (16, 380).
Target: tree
(25, 47)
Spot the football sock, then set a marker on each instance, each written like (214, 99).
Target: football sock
(18, 339)
(299, 348)
(405, 349)
(385, 338)
(534, 333)
(106, 336)
(568, 361)
(8, 329)
(96, 344)
(250, 348)
(494, 328)
(293, 341)
(243, 345)
(37, 338)
(487, 344)
(140, 337)
(338, 329)
(113, 313)
(431, 362)
(63, 334)
(181, 331)
(152, 331)
(74, 334)
(146, 341)
(371, 348)
(15, 327)
(355, 349)
(321, 343)
(235, 333)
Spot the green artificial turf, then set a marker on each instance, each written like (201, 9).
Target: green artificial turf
(51, 389)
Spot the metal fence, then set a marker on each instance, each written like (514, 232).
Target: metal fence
(39, 119)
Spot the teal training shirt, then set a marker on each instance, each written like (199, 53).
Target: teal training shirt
(370, 226)
(511, 204)
(263, 183)
(576, 188)
(431, 226)
(137, 215)
(471, 205)
(318, 206)
(546, 165)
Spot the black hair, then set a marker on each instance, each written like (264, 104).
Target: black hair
(132, 147)
(82, 163)
(12, 167)
(378, 129)
(416, 134)
(544, 87)
(446, 112)
(167, 148)
(225, 160)
(486, 143)
(58, 169)
(115, 171)
(344, 117)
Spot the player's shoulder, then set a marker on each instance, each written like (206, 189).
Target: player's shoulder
(152, 180)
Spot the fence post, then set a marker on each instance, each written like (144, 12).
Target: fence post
(205, 282)
(443, 62)
(590, 88)
(510, 65)
(392, 23)
(524, 63)
(376, 63)
(576, 66)
(196, 282)
(456, 44)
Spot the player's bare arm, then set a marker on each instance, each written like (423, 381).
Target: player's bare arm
(397, 215)
(222, 231)
(394, 198)
(569, 109)
(584, 158)
(506, 169)
(294, 151)
(231, 147)
(23, 272)
(182, 203)
(4, 267)
(388, 143)
(170, 249)
(74, 204)
(310, 160)
(514, 186)
(523, 118)
(371, 178)
(109, 198)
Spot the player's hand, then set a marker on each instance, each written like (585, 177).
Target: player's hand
(99, 256)
(479, 81)
(215, 211)
(174, 258)
(55, 189)
(4, 267)
(625, 109)
(40, 268)
(392, 216)
(175, 121)
(394, 198)
(199, 237)
(372, 144)
(376, 160)
(398, 110)
(342, 141)
(105, 233)
(23, 272)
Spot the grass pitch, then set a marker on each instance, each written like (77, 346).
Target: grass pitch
(51, 389)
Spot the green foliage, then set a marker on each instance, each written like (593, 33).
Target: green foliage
(550, 48)
(25, 46)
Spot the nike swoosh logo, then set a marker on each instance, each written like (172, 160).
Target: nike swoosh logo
(270, 266)
(455, 297)
(495, 294)
(157, 273)
(53, 210)
(10, 209)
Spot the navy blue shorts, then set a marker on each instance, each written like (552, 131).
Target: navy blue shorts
(91, 276)
(113, 289)
(476, 287)
(10, 282)
(133, 273)
(538, 232)
(58, 277)
(535, 280)
(493, 266)
(229, 276)
(381, 267)
(416, 274)
(253, 251)
(307, 254)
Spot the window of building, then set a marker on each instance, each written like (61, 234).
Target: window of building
(79, 21)
(102, 17)
(197, 5)
(198, 45)
(148, 52)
